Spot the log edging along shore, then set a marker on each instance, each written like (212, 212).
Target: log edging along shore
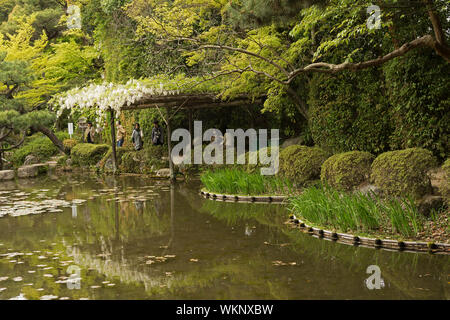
(386, 244)
(238, 198)
(344, 238)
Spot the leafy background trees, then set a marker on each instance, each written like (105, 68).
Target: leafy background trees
(39, 57)
(327, 77)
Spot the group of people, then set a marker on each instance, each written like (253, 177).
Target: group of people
(137, 137)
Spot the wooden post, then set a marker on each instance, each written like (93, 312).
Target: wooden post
(169, 143)
(113, 139)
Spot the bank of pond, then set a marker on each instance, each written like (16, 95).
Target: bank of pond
(401, 194)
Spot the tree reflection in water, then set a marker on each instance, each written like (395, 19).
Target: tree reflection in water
(138, 239)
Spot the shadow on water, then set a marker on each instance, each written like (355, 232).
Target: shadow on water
(134, 238)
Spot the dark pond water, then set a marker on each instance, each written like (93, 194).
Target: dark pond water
(132, 238)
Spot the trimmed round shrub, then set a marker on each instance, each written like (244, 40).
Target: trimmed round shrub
(348, 170)
(403, 172)
(444, 188)
(88, 154)
(69, 144)
(301, 164)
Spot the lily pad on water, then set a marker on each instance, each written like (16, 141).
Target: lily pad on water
(23, 208)
(48, 297)
(19, 297)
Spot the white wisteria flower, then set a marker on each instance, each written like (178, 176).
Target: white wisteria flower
(106, 96)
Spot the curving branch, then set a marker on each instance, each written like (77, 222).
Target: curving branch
(6, 135)
(16, 145)
(440, 45)
(49, 133)
(425, 41)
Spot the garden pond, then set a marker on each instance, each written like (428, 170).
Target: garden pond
(76, 236)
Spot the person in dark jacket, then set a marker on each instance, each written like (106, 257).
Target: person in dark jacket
(89, 133)
(157, 134)
(136, 137)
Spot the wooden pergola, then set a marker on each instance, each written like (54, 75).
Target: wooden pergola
(174, 103)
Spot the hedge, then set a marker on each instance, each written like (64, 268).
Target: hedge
(87, 154)
(301, 164)
(403, 172)
(345, 171)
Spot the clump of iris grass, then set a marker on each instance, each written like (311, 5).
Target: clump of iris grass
(240, 182)
(327, 207)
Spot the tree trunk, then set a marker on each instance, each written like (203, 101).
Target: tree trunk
(49, 133)
(440, 45)
(113, 140)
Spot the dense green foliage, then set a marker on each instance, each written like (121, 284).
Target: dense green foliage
(350, 112)
(356, 212)
(239, 182)
(257, 47)
(420, 102)
(301, 164)
(347, 170)
(403, 172)
(87, 154)
(37, 145)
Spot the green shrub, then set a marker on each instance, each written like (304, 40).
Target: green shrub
(403, 172)
(444, 188)
(347, 170)
(87, 154)
(69, 144)
(38, 145)
(301, 164)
